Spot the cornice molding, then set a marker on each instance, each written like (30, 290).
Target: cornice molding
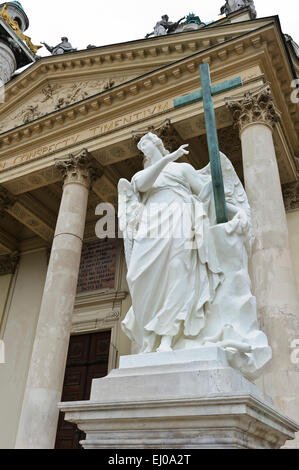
(129, 53)
(126, 94)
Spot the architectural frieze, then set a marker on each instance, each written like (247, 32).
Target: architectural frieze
(56, 96)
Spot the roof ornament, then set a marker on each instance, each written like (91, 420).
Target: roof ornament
(15, 26)
(231, 6)
(193, 19)
(63, 48)
(164, 27)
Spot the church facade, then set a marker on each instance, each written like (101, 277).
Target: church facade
(69, 127)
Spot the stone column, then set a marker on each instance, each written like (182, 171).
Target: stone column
(8, 63)
(39, 417)
(273, 276)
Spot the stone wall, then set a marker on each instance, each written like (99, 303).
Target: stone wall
(18, 336)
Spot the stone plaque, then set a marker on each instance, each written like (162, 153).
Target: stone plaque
(98, 265)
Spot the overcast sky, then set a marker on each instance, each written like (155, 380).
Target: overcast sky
(101, 22)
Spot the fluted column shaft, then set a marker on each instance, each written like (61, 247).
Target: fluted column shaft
(39, 417)
(272, 270)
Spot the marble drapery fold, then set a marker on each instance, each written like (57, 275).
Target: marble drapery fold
(172, 220)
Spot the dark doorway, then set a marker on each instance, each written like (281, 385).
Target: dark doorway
(87, 359)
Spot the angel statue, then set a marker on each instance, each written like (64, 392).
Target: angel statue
(187, 276)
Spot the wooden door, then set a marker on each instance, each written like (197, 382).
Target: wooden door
(87, 360)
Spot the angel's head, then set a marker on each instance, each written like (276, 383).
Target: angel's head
(152, 148)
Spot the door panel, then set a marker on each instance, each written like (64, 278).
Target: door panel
(87, 359)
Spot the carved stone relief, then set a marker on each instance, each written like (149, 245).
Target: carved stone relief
(252, 107)
(53, 97)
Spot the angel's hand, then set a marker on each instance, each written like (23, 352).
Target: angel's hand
(240, 214)
(172, 157)
(243, 219)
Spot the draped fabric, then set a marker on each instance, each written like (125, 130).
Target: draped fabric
(173, 272)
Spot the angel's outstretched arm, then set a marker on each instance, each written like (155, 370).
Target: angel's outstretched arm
(145, 179)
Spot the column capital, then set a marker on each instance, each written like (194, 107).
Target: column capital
(6, 200)
(254, 107)
(77, 168)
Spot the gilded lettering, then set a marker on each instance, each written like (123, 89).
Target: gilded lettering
(108, 127)
(136, 116)
(94, 130)
(103, 128)
(153, 110)
(127, 119)
(163, 107)
(118, 122)
(74, 139)
(45, 150)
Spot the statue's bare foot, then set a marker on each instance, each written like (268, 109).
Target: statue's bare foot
(165, 345)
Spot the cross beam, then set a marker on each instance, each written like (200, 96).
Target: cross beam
(206, 94)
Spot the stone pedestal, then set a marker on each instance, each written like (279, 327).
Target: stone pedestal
(178, 400)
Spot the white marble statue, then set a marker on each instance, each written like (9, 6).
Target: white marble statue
(187, 276)
(231, 6)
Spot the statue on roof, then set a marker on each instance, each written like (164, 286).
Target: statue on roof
(164, 27)
(234, 5)
(63, 48)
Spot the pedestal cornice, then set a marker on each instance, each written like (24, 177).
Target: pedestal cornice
(255, 107)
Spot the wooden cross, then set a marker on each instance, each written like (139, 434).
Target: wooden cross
(208, 90)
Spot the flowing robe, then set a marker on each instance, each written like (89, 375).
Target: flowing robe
(173, 272)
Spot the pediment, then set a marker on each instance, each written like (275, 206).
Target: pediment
(55, 95)
(54, 83)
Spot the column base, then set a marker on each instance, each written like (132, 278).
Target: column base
(178, 400)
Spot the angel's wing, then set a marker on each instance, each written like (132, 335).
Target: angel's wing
(234, 191)
(233, 188)
(129, 212)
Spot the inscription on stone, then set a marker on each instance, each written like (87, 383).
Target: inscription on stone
(98, 265)
(90, 133)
